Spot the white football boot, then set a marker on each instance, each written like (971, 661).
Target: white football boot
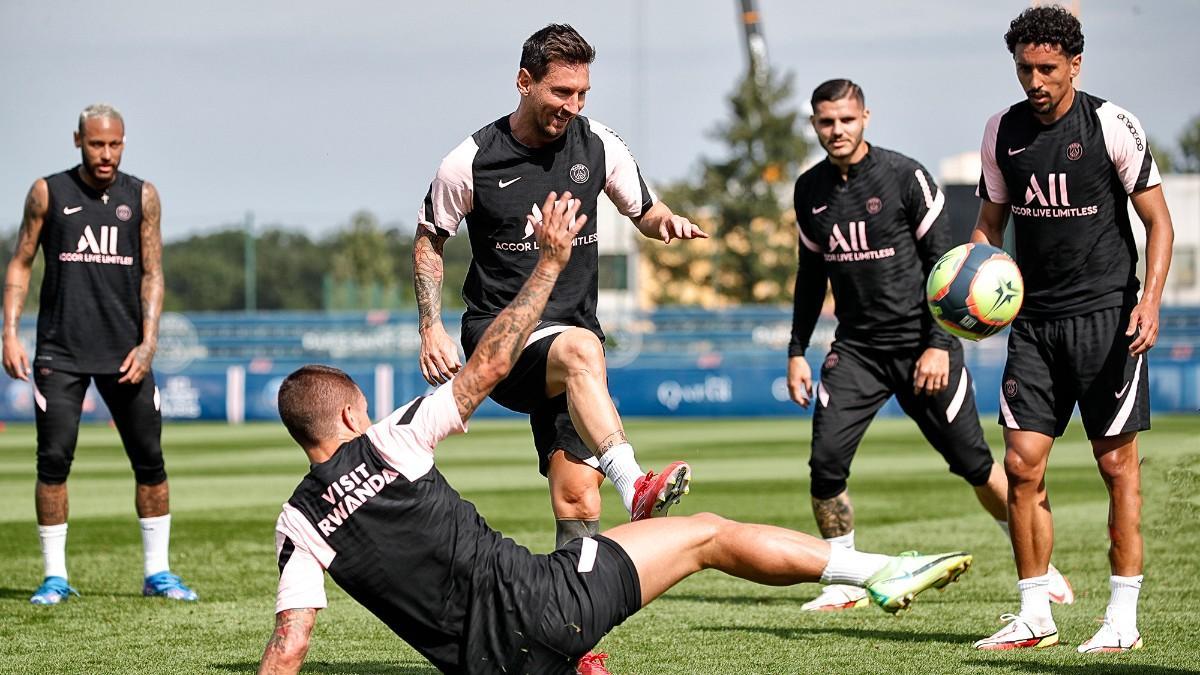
(836, 597)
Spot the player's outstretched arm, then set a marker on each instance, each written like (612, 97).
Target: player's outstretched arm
(659, 222)
(505, 337)
(288, 645)
(439, 355)
(989, 226)
(16, 278)
(1151, 206)
(136, 365)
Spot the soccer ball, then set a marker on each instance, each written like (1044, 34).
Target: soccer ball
(974, 291)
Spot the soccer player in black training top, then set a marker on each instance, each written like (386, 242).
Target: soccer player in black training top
(1065, 164)
(872, 223)
(376, 514)
(493, 180)
(98, 321)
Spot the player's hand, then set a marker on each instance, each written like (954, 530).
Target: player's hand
(1143, 321)
(931, 374)
(678, 227)
(439, 355)
(557, 229)
(799, 379)
(16, 363)
(136, 364)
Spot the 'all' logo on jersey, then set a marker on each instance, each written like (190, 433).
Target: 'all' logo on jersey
(857, 231)
(1055, 193)
(106, 245)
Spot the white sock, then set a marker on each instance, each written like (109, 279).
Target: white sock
(847, 566)
(844, 541)
(1122, 604)
(156, 538)
(54, 549)
(621, 467)
(1035, 599)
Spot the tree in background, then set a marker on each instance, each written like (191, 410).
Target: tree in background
(1162, 157)
(742, 200)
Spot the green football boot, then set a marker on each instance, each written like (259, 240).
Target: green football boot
(894, 587)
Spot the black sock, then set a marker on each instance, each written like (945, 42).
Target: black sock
(566, 530)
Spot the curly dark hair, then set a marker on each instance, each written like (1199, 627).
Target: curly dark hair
(1050, 25)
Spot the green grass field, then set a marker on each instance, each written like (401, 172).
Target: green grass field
(228, 483)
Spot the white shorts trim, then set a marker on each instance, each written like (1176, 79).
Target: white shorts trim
(587, 555)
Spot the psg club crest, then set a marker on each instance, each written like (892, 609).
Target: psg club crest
(874, 205)
(580, 174)
(1074, 151)
(831, 361)
(124, 212)
(1010, 388)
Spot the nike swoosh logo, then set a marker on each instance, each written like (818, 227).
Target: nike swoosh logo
(506, 183)
(1122, 391)
(818, 209)
(67, 210)
(1017, 151)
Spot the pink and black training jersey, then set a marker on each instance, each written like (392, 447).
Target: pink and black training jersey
(1067, 186)
(391, 532)
(493, 182)
(874, 236)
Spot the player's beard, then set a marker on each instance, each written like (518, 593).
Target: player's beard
(90, 169)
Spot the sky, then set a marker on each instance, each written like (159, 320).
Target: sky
(303, 112)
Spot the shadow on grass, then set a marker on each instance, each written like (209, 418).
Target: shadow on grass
(1101, 665)
(12, 593)
(357, 667)
(859, 633)
(731, 599)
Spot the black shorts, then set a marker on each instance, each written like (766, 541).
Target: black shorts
(856, 381)
(1054, 364)
(583, 591)
(58, 398)
(524, 391)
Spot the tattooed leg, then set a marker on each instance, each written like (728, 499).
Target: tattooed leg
(835, 516)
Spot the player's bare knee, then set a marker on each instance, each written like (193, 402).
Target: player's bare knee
(581, 351)
(578, 499)
(1021, 472)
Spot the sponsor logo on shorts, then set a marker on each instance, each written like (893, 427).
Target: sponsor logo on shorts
(1074, 151)
(124, 212)
(1010, 388)
(874, 205)
(45, 371)
(831, 361)
(1121, 392)
(580, 173)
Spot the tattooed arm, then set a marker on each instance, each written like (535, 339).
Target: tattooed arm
(137, 362)
(288, 645)
(439, 355)
(16, 279)
(505, 337)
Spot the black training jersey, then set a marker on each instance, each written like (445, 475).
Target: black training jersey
(494, 182)
(1067, 185)
(874, 236)
(91, 304)
(389, 529)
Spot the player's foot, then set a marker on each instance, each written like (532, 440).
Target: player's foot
(835, 597)
(168, 585)
(654, 494)
(894, 587)
(1060, 589)
(592, 663)
(1020, 633)
(52, 591)
(1110, 639)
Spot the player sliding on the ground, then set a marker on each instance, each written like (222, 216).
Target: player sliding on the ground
(872, 225)
(376, 514)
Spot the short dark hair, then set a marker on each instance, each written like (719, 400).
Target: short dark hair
(836, 90)
(1049, 25)
(556, 42)
(310, 400)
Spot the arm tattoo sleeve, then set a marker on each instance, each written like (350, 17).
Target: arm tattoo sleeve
(427, 276)
(152, 273)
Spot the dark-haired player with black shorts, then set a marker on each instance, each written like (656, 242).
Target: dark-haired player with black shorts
(872, 224)
(375, 514)
(101, 298)
(1065, 165)
(492, 181)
